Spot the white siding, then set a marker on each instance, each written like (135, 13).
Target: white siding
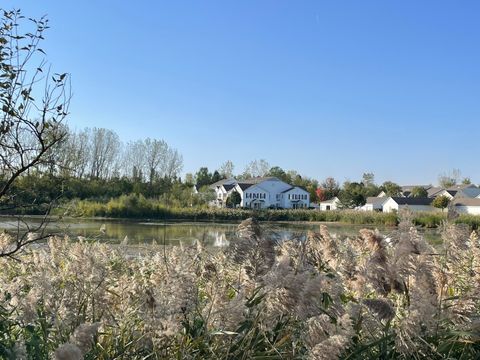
(444, 193)
(270, 193)
(473, 210)
(330, 204)
(390, 205)
(256, 195)
(420, 208)
(296, 198)
(367, 207)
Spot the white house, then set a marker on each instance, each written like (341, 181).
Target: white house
(332, 204)
(447, 193)
(411, 203)
(261, 193)
(374, 203)
(467, 205)
(223, 189)
(270, 192)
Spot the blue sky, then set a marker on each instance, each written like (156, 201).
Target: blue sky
(329, 88)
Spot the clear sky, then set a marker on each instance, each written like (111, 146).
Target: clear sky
(329, 88)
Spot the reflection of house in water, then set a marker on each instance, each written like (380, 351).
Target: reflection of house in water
(219, 238)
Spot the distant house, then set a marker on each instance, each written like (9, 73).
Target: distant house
(447, 193)
(374, 204)
(332, 204)
(457, 191)
(465, 190)
(467, 205)
(261, 193)
(434, 191)
(406, 191)
(223, 189)
(412, 203)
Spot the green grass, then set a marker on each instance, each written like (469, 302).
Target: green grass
(139, 207)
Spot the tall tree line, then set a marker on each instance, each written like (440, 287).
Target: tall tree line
(98, 153)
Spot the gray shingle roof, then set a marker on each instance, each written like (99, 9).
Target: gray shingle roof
(466, 202)
(223, 181)
(375, 200)
(412, 200)
(258, 180)
(434, 191)
(244, 186)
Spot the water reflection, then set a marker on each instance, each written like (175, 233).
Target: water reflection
(174, 233)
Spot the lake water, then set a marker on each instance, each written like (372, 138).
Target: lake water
(172, 233)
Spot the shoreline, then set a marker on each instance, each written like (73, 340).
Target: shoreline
(298, 217)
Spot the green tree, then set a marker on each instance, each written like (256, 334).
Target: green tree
(352, 195)
(368, 179)
(391, 189)
(419, 192)
(441, 202)
(370, 188)
(203, 177)
(216, 177)
(330, 187)
(279, 173)
(234, 199)
(189, 180)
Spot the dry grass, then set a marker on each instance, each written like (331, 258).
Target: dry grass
(323, 298)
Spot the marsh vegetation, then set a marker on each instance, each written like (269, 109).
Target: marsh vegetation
(321, 298)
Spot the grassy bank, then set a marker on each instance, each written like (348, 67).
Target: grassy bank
(138, 207)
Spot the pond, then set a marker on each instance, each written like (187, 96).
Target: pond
(174, 233)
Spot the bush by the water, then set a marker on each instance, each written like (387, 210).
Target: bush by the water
(137, 206)
(324, 298)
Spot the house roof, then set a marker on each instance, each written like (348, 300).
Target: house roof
(244, 186)
(222, 182)
(376, 200)
(258, 180)
(434, 190)
(466, 202)
(293, 188)
(228, 187)
(452, 192)
(330, 201)
(470, 192)
(412, 200)
(462, 186)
